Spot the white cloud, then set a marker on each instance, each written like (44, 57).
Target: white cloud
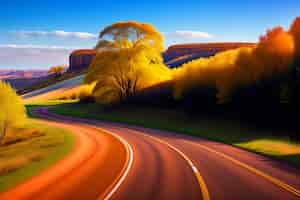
(193, 34)
(57, 33)
(187, 36)
(29, 46)
(183, 36)
(33, 56)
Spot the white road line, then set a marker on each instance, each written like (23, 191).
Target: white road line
(123, 174)
(115, 186)
(254, 170)
(201, 182)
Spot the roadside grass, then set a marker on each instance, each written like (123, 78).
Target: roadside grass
(75, 93)
(56, 95)
(227, 131)
(272, 147)
(31, 149)
(32, 104)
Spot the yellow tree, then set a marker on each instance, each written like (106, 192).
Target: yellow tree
(121, 73)
(12, 110)
(236, 68)
(129, 34)
(57, 70)
(129, 61)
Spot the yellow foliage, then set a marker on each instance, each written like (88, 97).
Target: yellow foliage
(12, 110)
(129, 34)
(128, 61)
(131, 60)
(120, 73)
(240, 67)
(81, 92)
(275, 51)
(57, 70)
(218, 71)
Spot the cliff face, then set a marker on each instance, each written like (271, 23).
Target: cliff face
(81, 59)
(175, 55)
(178, 54)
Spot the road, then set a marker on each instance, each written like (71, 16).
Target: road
(170, 166)
(65, 85)
(162, 165)
(86, 173)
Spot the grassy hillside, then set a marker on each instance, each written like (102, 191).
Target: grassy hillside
(51, 81)
(232, 132)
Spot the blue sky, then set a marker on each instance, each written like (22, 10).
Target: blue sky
(38, 34)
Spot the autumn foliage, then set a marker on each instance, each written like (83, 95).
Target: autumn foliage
(295, 32)
(229, 70)
(130, 61)
(12, 110)
(57, 70)
(130, 34)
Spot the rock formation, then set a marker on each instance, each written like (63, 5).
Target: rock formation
(176, 55)
(81, 59)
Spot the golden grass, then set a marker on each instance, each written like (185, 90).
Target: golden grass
(56, 94)
(17, 149)
(15, 135)
(27, 151)
(272, 147)
(76, 93)
(11, 165)
(73, 93)
(22, 146)
(15, 163)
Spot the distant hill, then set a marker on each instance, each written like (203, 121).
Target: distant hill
(20, 79)
(13, 74)
(179, 54)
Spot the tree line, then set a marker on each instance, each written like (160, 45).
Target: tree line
(129, 59)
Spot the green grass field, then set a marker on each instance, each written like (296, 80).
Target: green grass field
(226, 131)
(32, 154)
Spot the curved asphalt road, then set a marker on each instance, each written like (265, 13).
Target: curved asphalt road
(157, 171)
(86, 173)
(171, 166)
(160, 172)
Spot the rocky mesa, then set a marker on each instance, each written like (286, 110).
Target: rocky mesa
(174, 56)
